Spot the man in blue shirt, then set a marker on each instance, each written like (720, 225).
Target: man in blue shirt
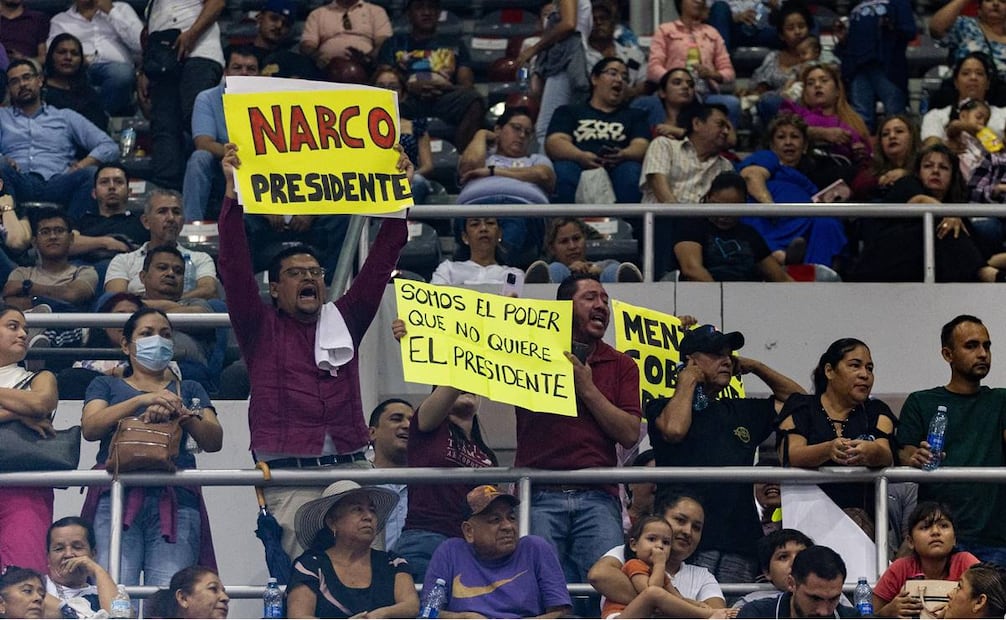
(39, 144)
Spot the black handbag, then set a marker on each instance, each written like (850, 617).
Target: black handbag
(160, 59)
(24, 450)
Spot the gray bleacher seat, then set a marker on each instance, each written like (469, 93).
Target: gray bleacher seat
(445, 164)
(439, 128)
(485, 51)
(448, 24)
(924, 56)
(421, 253)
(747, 59)
(932, 81)
(510, 22)
(615, 242)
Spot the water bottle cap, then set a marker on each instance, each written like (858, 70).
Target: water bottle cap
(441, 582)
(862, 580)
(272, 581)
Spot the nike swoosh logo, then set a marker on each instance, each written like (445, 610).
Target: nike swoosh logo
(460, 590)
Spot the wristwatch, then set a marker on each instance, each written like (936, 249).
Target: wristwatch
(26, 287)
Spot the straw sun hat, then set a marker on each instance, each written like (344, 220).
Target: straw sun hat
(311, 516)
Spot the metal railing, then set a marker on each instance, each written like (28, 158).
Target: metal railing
(525, 479)
(649, 212)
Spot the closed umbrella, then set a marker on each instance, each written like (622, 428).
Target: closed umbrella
(270, 532)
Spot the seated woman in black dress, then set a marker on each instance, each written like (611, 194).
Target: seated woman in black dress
(340, 575)
(839, 425)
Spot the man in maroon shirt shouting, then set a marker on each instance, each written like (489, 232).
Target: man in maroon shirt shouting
(300, 415)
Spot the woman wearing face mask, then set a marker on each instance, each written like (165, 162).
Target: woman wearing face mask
(154, 547)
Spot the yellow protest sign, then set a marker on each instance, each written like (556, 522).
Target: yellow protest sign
(651, 338)
(509, 350)
(316, 148)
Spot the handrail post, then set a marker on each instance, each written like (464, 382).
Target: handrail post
(524, 509)
(649, 256)
(116, 499)
(929, 247)
(880, 522)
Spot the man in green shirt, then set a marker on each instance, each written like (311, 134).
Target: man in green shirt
(976, 430)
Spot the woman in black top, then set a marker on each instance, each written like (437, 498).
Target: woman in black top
(66, 84)
(839, 425)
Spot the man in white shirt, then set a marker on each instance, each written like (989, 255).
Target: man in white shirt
(110, 35)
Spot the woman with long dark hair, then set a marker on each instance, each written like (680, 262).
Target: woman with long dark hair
(66, 82)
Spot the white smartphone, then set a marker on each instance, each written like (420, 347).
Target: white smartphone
(513, 284)
(838, 191)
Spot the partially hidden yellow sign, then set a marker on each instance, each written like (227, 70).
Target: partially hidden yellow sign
(652, 338)
(309, 151)
(508, 350)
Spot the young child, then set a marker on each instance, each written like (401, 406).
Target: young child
(970, 136)
(775, 557)
(932, 539)
(647, 554)
(987, 181)
(809, 51)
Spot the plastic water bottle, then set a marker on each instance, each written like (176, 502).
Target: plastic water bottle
(435, 600)
(121, 607)
(863, 597)
(190, 273)
(127, 141)
(524, 79)
(191, 445)
(272, 600)
(700, 400)
(937, 429)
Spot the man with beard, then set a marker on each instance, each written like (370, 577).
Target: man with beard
(583, 521)
(306, 411)
(698, 428)
(40, 145)
(162, 215)
(814, 589)
(274, 23)
(976, 429)
(602, 133)
(113, 228)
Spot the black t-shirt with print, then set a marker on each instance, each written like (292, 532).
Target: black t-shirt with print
(593, 129)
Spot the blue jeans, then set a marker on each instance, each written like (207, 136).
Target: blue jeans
(556, 92)
(143, 547)
(996, 555)
(870, 85)
(115, 82)
(581, 525)
(559, 272)
(325, 235)
(201, 171)
(624, 180)
(420, 189)
(172, 101)
(72, 189)
(739, 35)
(417, 547)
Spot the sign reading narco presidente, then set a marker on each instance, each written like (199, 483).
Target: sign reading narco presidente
(311, 148)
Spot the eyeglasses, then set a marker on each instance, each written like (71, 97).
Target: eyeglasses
(14, 81)
(299, 272)
(616, 73)
(346, 24)
(521, 129)
(56, 231)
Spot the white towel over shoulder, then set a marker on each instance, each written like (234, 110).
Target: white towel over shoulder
(333, 344)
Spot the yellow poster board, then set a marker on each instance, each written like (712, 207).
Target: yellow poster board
(312, 148)
(508, 350)
(652, 338)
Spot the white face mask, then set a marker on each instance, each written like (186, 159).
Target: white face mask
(154, 352)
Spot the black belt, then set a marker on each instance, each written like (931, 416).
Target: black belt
(317, 461)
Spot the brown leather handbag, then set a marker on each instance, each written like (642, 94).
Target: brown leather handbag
(144, 446)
